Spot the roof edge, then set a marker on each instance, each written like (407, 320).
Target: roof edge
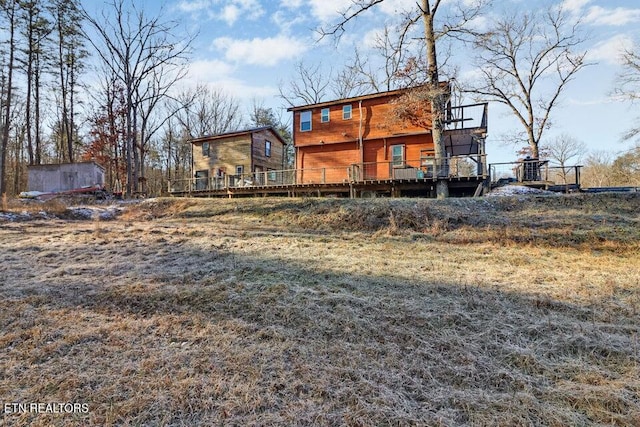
(358, 98)
(237, 133)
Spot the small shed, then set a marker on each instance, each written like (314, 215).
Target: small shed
(65, 176)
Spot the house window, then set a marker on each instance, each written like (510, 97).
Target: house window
(205, 149)
(324, 115)
(305, 121)
(271, 175)
(267, 148)
(397, 155)
(239, 170)
(346, 112)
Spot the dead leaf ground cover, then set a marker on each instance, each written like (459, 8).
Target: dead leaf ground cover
(510, 311)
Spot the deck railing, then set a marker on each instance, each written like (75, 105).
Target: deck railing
(534, 171)
(471, 116)
(429, 168)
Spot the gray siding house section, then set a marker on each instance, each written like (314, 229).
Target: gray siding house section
(65, 176)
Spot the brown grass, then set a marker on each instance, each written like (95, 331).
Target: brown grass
(327, 312)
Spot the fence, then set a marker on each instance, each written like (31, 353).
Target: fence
(534, 171)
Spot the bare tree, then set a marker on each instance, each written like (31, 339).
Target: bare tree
(69, 60)
(309, 85)
(35, 27)
(8, 8)
(148, 97)
(626, 167)
(597, 170)
(455, 24)
(629, 84)
(397, 62)
(565, 149)
(348, 83)
(204, 111)
(525, 62)
(134, 47)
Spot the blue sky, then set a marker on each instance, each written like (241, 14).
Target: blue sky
(249, 47)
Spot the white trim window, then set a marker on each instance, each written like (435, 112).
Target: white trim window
(305, 121)
(397, 155)
(324, 115)
(239, 170)
(346, 112)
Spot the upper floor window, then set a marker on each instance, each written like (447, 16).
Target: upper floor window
(324, 115)
(346, 112)
(205, 149)
(267, 148)
(305, 121)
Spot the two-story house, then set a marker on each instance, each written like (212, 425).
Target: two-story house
(362, 139)
(241, 158)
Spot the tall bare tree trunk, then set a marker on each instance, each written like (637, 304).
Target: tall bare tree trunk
(38, 142)
(30, 49)
(438, 100)
(6, 121)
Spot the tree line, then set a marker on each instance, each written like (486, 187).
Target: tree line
(79, 85)
(129, 114)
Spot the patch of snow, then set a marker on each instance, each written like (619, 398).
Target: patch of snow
(518, 190)
(31, 194)
(101, 213)
(94, 212)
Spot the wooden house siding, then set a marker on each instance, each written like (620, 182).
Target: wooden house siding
(366, 138)
(224, 155)
(371, 119)
(245, 148)
(260, 160)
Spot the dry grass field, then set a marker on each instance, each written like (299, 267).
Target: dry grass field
(258, 312)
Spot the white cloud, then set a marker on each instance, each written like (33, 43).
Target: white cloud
(221, 75)
(591, 102)
(372, 37)
(266, 52)
(610, 51)
(193, 6)
(575, 6)
(598, 15)
(615, 17)
(325, 10)
(393, 8)
(229, 11)
(230, 14)
(214, 70)
(285, 21)
(291, 4)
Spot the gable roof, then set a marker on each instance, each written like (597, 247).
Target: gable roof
(235, 133)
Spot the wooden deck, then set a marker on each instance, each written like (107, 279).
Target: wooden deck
(467, 176)
(424, 187)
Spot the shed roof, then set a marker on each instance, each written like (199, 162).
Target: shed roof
(54, 165)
